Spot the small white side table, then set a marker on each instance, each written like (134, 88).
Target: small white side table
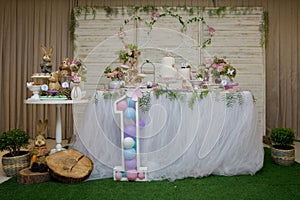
(58, 104)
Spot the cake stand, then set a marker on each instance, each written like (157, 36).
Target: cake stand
(35, 89)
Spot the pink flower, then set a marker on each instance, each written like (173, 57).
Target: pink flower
(211, 30)
(136, 54)
(168, 54)
(209, 62)
(135, 95)
(220, 67)
(122, 34)
(75, 77)
(155, 15)
(214, 65)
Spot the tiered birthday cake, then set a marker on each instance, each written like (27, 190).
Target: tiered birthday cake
(168, 70)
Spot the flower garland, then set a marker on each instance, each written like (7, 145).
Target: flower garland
(155, 16)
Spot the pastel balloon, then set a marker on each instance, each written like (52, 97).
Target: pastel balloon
(129, 153)
(141, 175)
(134, 146)
(130, 102)
(131, 175)
(142, 123)
(130, 164)
(122, 105)
(128, 142)
(118, 176)
(130, 113)
(130, 130)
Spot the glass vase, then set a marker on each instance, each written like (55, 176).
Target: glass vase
(76, 92)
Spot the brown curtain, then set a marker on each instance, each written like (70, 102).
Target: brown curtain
(24, 26)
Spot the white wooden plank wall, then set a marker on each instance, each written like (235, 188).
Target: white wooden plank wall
(237, 38)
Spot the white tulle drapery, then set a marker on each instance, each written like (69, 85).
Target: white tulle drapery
(214, 136)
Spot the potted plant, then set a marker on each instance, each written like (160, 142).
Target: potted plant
(16, 159)
(282, 151)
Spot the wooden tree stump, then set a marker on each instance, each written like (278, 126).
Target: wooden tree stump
(69, 166)
(26, 176)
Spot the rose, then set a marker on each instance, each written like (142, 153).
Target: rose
(211, 30)
(155, 15)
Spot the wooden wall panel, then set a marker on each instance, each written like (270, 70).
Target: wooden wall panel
(282, 85)
(237, 38)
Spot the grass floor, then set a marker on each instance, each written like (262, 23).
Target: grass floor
(271, 182)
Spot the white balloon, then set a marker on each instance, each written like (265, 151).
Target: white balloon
(128, 142)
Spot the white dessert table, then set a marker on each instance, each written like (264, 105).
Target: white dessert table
(58, 103)
(218, 135)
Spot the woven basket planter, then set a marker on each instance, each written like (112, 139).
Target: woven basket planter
(283, 157)
(12, 165)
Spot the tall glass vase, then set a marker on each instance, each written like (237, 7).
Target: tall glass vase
(76, 92)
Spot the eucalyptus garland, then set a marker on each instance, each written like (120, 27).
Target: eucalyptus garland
(232, 98)
(145, 101)
(195, 96)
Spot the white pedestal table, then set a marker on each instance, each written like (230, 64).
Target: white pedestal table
(58, 103)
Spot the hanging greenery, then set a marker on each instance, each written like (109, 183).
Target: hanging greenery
(264, 29)
(132, 12)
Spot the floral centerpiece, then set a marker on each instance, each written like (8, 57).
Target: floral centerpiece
(220, 66)
(115, 74)
(78, 70)
(129, 54)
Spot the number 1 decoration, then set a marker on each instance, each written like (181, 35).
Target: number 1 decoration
(128, 108)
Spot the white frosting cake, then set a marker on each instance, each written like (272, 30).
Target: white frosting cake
(168, 68)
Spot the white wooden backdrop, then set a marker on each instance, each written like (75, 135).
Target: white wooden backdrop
(237, 37)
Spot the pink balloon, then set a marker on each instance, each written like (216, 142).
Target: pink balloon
(141, 175)
(131, 175)
(130, 164)
(118, 176)
(122, 105)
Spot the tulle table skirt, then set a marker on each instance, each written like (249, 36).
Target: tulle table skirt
(216, 135)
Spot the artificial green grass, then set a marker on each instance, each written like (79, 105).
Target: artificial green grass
(271, 182)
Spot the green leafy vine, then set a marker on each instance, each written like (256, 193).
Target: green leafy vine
(232, 98)
(171, 11)
(145, 101)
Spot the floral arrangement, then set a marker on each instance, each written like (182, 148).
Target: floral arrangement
(117, 73)
(78, 70)
(129, 54)
(221, 66)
